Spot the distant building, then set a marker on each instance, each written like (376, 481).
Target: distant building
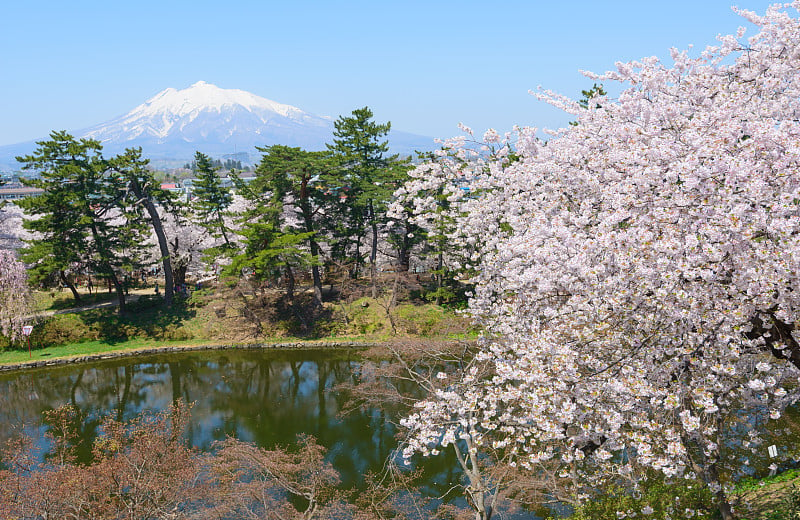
(16, 193)
(187, 185)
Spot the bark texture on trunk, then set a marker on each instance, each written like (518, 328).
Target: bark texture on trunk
(68, 283)
(119, 288)
(373, 255)
(308, 223)
(163, 245)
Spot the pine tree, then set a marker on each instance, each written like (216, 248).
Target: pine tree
(367, 174)
(145, 192)
(210, 203)
(289, 202)
(81, 215)
(57, 210)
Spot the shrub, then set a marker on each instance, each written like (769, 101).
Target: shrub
(656, 499)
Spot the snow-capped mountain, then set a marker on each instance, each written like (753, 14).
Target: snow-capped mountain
(173, 124)
(210, 119)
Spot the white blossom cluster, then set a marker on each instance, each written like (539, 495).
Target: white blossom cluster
(624, 267)
(14, 294)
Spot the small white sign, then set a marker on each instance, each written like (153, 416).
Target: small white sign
(27, 329)
(773, 451)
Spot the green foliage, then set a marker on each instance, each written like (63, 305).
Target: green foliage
(668, 500)
(200, 297)
(285, 223)
(446, 289)
(269, 251)
(365, 179)
(212, 197)
(69, 173)
(359, 145)
(211, 202)
(82, 218)
(588, 95)
(143, 192)
(227, 164)
(753, 484)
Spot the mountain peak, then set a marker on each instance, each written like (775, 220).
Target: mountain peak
(175, 123)
(206, 117)
(202, 96)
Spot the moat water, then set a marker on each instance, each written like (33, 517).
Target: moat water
(264, 397)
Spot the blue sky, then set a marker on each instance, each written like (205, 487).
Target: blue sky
(424, 66)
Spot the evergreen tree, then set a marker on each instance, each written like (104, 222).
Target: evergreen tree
(291, 177)
(367, 175)
(272, 250)
(271, 253)
(145, 191)
(82, 218)
(211, 202)
(62, 237)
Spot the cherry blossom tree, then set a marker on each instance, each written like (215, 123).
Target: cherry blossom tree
(14, 294)
(12, 233)
(638, 277)
(432, 197)
(189, 242)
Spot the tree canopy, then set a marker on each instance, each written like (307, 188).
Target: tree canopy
(211, 201)
(285, 212)
(366, 176)
(637, 272)
(81, 216)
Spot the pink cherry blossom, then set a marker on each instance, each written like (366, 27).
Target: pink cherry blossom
(14, 294)
(636, 275)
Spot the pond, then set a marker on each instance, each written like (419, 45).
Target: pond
(265, 397)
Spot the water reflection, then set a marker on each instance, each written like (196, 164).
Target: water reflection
(263, 397)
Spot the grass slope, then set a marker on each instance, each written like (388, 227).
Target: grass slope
(222, 314)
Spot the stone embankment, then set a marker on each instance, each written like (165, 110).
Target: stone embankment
(296, 345)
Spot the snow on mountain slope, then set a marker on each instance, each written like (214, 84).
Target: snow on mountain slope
(205, 96)
(207, 114)
(173, 124)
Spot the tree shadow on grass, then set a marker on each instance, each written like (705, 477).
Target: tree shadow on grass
(63, 302)
(147, 318)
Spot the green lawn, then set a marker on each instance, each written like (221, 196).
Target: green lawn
(62, 299)
(91, 347)
(10, 357)
(190, 322)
